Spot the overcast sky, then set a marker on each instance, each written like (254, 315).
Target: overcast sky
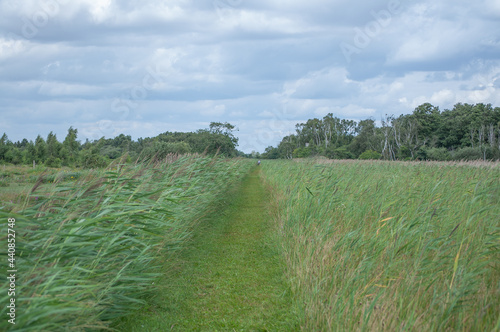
(143, 67)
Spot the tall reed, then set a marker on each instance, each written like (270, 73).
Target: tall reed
(390, 246)
(87, 251)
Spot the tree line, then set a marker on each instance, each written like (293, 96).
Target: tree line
(217, 139)
(466, 132)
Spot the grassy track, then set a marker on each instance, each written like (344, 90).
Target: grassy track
(230, 278)
(89, 243)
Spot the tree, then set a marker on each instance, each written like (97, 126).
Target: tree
(53, 146)
(271, 153)
(366, 139)
(14, 156)
(4, 146)
(428, 121)
(90, 156)
(159, 150)
(71, 145)
(405, 129)
(28, 153)
(40, 149)
(225, 129)
(287, 146)
(370, 155)
(301, 152)
(339, 153)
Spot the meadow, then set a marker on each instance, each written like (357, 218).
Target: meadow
(372, 246)
(360, 245)
(90, 242)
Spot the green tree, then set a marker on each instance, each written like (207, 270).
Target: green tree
(370, 155)
(53, 146)
(90, 156)
(71, 146)
(428, 121)
(301, 152)
(367, 138)
(159, 150)
(225, 129)
(40, 150)
(340, 153)
(29, 153)
(271, 153)
(4, 146)
(14, 155)
(212, 143)
(286, 147)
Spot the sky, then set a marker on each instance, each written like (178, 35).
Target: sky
(144, 67)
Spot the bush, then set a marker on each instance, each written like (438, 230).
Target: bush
(421, 154)
(339, 153)
(467, 154)
(404, 153)
(159, 150)
(438, 154)
(370, 154)
(301, 153)
(53, 162)
(111, 152)
(90, 159)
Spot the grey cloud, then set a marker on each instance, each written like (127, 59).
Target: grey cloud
(262, 64)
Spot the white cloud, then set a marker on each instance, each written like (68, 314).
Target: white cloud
(101, 10)
(443, 97)
(10, 48)
(492, 8)
(266, 114)
(215, 111)
(429, 39)
(263, 65)
(356, 112)
(323, 111)
(57, 89)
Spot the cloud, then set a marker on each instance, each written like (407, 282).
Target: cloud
(55, 89)
(443, 97)
(144, 67)
(216, 111)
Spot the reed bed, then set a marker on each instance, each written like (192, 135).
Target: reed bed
(88, 247)
(388, 246)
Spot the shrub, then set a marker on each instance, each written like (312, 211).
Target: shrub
(370, 154)
(468, 153)
(90, 159)
(438, 154)
(160, 150)
(339, 153)
(301, 153)
(53, 162)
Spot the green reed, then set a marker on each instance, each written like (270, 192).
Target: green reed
(89, 244)
(390, 246)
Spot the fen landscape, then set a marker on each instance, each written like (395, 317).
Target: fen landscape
(234, 165)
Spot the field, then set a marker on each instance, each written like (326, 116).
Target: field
(210, 243)
(89, 244)
(391, 246)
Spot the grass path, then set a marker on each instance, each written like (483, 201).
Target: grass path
(230, 278)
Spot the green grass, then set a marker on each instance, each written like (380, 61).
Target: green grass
(390, 246)
(87, 244)
(345, 246)
(230, 276)
(16, 182)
